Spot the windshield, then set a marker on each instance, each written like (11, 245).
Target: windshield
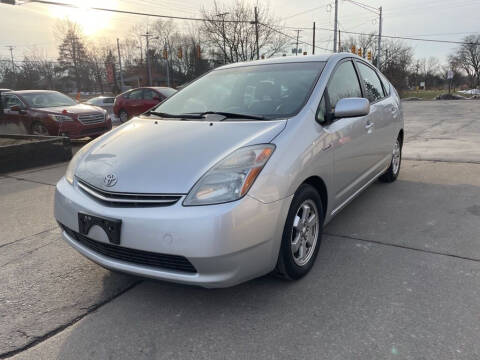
(47, 99)
(271, 91)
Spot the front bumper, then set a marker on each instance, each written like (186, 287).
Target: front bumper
(227, 243)
(76, 130)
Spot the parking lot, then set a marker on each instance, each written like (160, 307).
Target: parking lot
(397, 276)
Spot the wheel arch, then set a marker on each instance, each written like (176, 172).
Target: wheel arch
(319, 185)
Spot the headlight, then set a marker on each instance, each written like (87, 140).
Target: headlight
(60, 118)
(72, 166)
(231, 178)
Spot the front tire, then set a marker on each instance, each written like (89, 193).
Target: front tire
(39, 129)
(302, 234)
(123, 116)
(392, 172)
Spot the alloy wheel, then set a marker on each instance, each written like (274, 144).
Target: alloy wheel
(39, 129)
(123, 116)
(396, 157)
(305, 232)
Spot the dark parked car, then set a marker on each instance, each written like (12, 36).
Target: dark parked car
(137, 101)
(43, 112)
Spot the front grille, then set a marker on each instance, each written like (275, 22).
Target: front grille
(134, 256)
(89, 119)
(119, 199)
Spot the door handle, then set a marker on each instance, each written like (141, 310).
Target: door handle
(369, 125)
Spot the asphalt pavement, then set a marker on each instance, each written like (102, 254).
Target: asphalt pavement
(397, 276)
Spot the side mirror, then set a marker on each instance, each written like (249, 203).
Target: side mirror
(17, 109)
(352, 107)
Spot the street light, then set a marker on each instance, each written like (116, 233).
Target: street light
(149, 69)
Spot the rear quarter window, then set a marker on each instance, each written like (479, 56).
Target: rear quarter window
(386, 84)
(373, 86)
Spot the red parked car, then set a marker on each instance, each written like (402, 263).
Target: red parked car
(135, 102)
(42, 112)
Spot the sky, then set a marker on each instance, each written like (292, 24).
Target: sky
(31, 26)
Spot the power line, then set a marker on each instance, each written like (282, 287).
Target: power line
(388, 36)
(293, 38)
(364, 6)
(47, 2)
(302, 12)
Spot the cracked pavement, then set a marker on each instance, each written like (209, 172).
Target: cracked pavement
(397, 274)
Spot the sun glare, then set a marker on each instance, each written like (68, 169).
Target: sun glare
(91, 21)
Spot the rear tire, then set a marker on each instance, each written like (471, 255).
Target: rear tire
(392, 172)
(123, 116)
(302, 234)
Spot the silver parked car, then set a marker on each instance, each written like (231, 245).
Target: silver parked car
(234, 176)
(104, 102)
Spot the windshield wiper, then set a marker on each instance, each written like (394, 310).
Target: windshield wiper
(174, 116)
(234, 115)
(203, 115)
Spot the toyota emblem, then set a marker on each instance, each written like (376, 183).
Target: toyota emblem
(110, 180)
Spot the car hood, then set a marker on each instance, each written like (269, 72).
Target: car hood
(74, 109)
(166, 156)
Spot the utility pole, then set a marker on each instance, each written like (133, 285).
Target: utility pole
(379, 51)
(222, 15)
(166, 51)
(335, 28)
(296, 46)
(313, 46)
(256, 33)
(11, 55)
(339, 42)
(120, 65)
(141, 50)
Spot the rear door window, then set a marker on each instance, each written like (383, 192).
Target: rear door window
(149, 94)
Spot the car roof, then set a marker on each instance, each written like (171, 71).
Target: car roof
(294, 59)
(20, 92)
(280, 60)
(159, 88)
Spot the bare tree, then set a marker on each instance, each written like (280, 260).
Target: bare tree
(468, 55)
(396, 59)
(238, 34)
(97, 54)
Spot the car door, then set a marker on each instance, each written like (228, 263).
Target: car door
(14, 121)
(150, 99)
(349, 136)
(381, 113)
(134, 104)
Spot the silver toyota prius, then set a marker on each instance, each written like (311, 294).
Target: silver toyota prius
(234, 176)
